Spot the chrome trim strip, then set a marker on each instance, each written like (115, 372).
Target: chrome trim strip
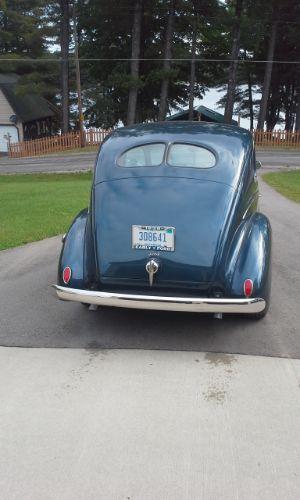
(154, 302)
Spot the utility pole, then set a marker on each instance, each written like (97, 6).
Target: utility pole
(78, 82)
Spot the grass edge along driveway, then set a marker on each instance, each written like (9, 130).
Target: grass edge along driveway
(286, 183)
(37, 206)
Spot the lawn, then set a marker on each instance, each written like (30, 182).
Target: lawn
(286, 183)
(33, 207)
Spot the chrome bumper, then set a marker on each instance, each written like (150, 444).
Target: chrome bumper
(186, 304)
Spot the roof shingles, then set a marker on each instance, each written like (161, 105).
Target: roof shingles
(28, 107)
(208, 115)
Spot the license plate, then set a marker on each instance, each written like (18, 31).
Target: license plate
(153, 238)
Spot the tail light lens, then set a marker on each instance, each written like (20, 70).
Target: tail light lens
(66, 275)
(248, 287)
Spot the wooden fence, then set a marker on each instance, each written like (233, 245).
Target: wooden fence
(92, 137)
(276, 138)
(56, 143)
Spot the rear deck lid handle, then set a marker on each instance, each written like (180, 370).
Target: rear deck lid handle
(152, 267)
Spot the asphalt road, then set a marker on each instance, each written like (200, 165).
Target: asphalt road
(279, 158)
(31, 315)
(85, 161)
(50, 163)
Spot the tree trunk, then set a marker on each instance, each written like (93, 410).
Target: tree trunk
(163, 103)
(193, 71)
(267, 78)
(134, 65)
(273, 112)
(64, 65)
(251, 113)
(289, 106)
(297, 120)
(233, 64)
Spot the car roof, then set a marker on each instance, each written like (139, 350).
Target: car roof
(180, 127)
(229, 143)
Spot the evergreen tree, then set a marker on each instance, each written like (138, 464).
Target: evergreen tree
(24, 38)
(232, 76)
(135, 63)
(140, 59)
(64, 38)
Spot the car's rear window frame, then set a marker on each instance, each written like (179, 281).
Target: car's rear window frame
(187, 143)
(140, 146)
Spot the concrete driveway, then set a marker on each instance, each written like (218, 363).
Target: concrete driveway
(85, 161)
(148, 425)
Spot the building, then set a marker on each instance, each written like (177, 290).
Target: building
(201, 114)
(23, 117)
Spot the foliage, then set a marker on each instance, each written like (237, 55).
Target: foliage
(29, 29)
(255, 34)
(106, 34)
(25, 36)
(20, 31)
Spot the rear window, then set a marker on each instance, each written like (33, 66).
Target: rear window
(148, 155)
(188, 155)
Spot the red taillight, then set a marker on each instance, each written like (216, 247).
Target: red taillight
(66, 275)
(248, 287)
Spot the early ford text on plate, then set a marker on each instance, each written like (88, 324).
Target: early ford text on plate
(153, 238)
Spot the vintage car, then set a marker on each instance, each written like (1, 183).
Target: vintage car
(172, 224)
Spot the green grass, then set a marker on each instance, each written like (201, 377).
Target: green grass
(286, 183)
(33, 207)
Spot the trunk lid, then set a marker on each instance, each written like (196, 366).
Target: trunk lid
(197, 209)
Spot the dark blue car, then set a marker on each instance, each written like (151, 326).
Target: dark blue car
(172, 224)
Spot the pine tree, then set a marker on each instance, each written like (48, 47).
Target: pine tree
(64, 65)
(233, 64)
(268, 70)
(24, 38)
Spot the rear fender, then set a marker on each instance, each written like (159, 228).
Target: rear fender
(74, 252)
(250, 257)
